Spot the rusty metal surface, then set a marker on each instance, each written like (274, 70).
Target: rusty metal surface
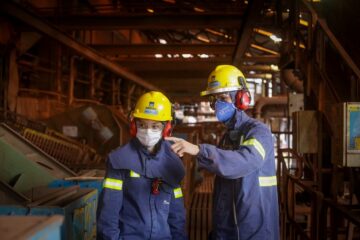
(69, 152)
(30, 227)
(76, 205)
(199, 212)
(305, 131)
(30, 155)
(34, 21)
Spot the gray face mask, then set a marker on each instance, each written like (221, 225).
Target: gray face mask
(148, 137)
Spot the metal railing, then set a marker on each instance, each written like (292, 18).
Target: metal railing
(316, 217)
(330, 71)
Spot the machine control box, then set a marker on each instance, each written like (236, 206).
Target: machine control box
(346, 138)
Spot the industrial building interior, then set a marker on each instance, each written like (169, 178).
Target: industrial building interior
(71, 72)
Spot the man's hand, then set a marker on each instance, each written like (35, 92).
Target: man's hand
(181, 146)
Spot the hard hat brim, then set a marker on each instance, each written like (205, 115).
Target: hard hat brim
(151, 117)
(220, 90)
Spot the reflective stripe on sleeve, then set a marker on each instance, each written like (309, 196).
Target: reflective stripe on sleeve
(267, 181)
(178, 193)
(134, 174)
(257, 145)
(113, 183)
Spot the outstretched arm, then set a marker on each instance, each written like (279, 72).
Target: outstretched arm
(182, 146)
(231, 164)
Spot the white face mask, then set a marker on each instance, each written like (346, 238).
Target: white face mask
(148, 137)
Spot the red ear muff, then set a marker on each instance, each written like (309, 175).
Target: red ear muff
(167, 129)
(133, 128)
(242, 99)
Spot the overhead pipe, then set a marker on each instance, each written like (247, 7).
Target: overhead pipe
(292, 80)
(274, 111)
(266, 101)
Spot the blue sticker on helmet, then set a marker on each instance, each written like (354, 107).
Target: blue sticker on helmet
(151, 111)
(214, 84)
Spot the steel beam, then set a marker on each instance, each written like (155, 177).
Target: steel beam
(178, 65)
(261, 59)
(173, 73)
(193, 71)
(185, 21)
(252, 15)
(13, 10)
(144, 49)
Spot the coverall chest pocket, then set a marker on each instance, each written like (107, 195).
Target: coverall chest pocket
(163, 200)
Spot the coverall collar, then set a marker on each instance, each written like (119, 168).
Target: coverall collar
(165, 164)
(239, 118)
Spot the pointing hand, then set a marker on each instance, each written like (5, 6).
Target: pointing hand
(181, 146)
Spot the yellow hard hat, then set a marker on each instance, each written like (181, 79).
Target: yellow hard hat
(153, 106)
(224, 78)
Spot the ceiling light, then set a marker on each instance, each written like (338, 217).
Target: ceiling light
(196, 9)
(268, 75)
(186, 55)
(203, 55)
(162, 41)
(204, 39)
(158, 55)
(150, 10)
(304, 23)
(275, 38)
(274, 67)
(301, 45)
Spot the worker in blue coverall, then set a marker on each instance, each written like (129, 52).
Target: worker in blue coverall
(141, 197)
(245, 203)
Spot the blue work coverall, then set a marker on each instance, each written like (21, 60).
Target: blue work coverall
(245, 204)
(127, 207)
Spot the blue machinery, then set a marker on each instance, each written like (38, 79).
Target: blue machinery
(31, 185)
